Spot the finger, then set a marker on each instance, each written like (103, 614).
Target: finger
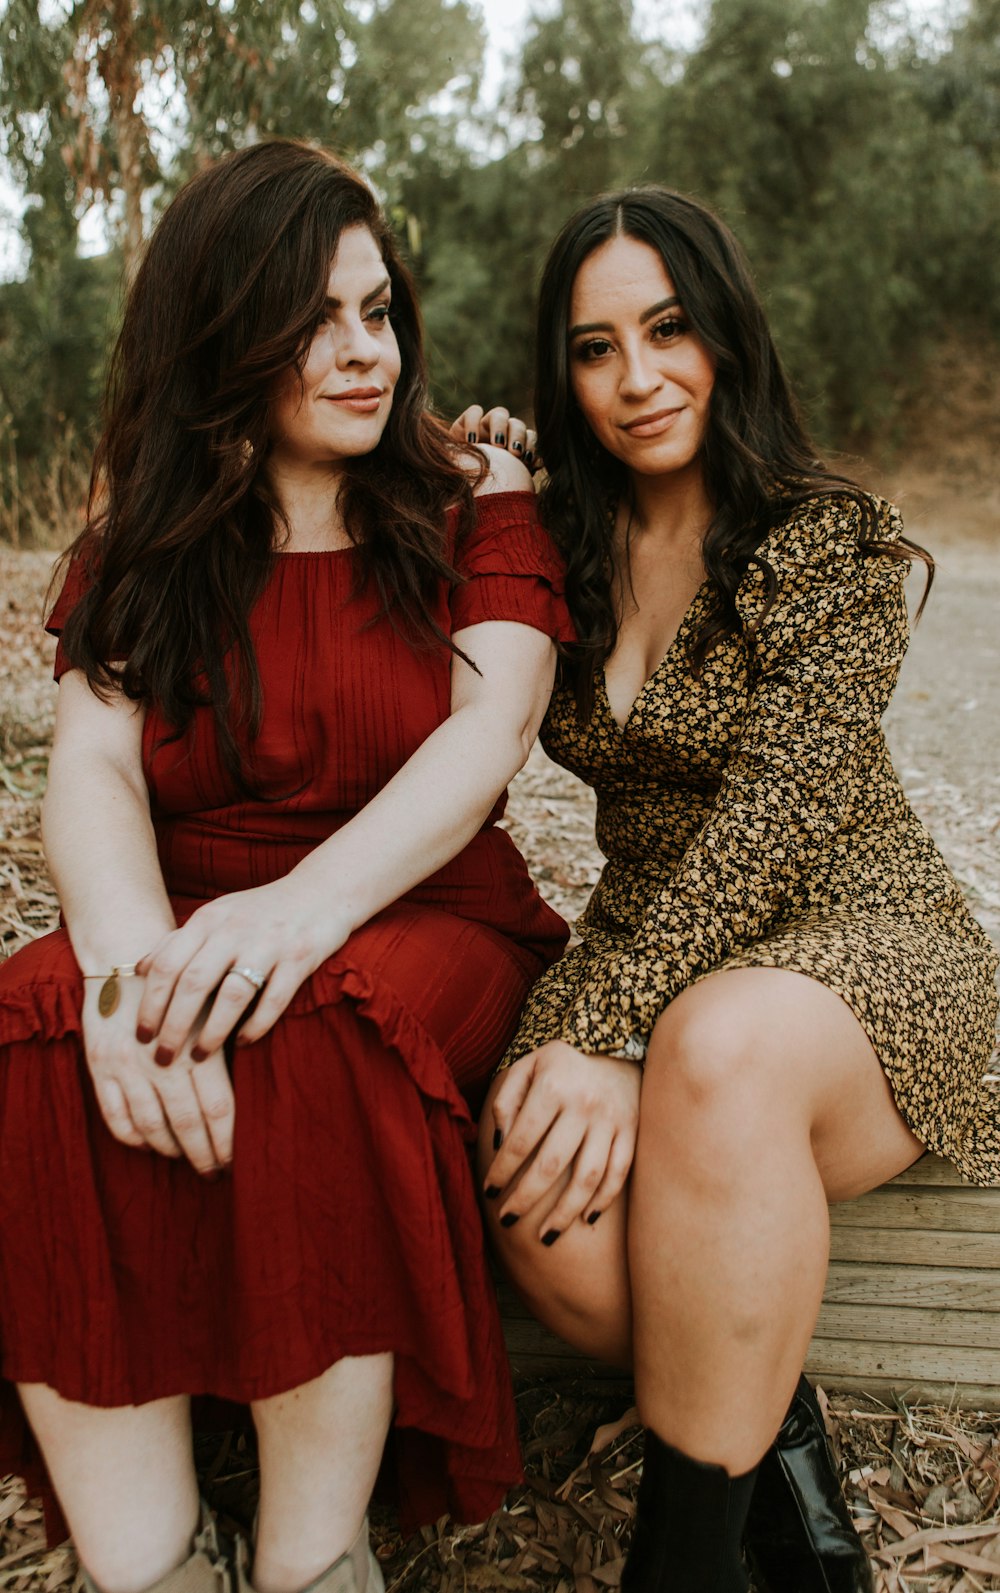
(115, 1112)
(495, 424)
(535, 1119)
(517, 435)
(615, 1177)
(209, 998)
(214, 1089)
(160, 970)
(282, 984)
(531, 448)
(147, 1115)
(541, 1182)
(182, 1111)
(235, 994)
(587, 1176)
(467, 428)
(507, 1103)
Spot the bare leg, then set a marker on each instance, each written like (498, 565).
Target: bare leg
(762, 1100)
(320, 1447)
(126, 1481)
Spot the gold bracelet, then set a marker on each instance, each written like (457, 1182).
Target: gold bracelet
(109, 994)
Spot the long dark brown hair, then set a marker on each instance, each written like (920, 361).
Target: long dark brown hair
(758, 460)
(181, 527)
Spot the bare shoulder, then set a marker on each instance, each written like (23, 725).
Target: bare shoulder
(505, 472)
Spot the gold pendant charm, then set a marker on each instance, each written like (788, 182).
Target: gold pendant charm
(107, 1000)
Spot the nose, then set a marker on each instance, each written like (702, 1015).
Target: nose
(640, 377)
(356, 346)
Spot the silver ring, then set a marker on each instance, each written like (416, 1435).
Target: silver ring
(256, 978)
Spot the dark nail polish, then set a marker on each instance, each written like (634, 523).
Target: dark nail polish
(163, 1056)
(471, 436)
(198, 1055)
(593, 1217)
(517, 448)
(501, 439)
(497, 1138)
(551, 1237)
(492, 1191)
(143, 1034)
(509, 1219)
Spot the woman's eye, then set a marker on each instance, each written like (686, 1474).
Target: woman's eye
(592, 350)
(379, 314)
(670, 329)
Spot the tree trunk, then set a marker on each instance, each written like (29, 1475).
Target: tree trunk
(120, 70)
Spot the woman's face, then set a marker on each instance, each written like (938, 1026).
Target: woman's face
(642, 378)
(340, 408)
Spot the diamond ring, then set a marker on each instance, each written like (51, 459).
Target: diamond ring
(256, 978)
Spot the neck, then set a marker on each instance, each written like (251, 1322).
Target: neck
(674, 508)
(307, 495)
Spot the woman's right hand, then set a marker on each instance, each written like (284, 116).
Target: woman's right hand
(186, 1109)
(499, 427)
(565, 1128)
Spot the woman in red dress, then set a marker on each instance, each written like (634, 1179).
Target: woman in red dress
(304, 645)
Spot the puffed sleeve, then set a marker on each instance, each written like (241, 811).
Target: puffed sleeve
(824, 661)
(80, 574)
(510, 568)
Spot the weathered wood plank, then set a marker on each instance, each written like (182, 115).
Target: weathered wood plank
(892, 1325)
(944, 1288)
(905, 1363)
(916, 1246)
(969, 1397)
(931, 1170)
(894, 1206)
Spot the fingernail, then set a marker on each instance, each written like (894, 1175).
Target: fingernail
(163, 1056)
(143, 1034)
(517, 448)
(509, 1219)
(501, 439)
(198, 1055)
(551, 1237)
(213, 1176)
(593, 1217)
(492, 1191)
(497, 1138)
(241, 1039)
(471, 436)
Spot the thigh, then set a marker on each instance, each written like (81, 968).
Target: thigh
(768, 1044)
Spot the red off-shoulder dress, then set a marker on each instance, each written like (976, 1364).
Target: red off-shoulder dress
(348, 1224)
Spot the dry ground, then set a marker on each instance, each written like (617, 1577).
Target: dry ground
(924, 1482)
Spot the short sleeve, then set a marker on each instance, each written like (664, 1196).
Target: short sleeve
(511, 569)
(78, 579)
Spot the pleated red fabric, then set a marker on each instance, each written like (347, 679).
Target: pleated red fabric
(348, 1224)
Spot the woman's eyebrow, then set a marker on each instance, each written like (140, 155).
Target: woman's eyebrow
(337, 304)
(608, 326)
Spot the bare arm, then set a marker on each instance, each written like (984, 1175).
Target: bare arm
(420, 820)
(101, 850)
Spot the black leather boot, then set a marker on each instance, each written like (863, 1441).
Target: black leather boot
(688, 1525)
(799, 1537)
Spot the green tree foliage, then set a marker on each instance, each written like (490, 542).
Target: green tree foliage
(860, 166)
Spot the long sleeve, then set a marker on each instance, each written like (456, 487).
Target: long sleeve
(824, 660)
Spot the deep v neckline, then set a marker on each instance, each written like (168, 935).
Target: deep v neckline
(621, 725)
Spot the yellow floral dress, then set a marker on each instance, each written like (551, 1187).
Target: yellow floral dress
(752, 818)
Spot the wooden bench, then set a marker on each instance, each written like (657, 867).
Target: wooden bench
(912, 1302)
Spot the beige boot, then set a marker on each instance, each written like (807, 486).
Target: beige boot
(204, 1571)
(357, 1571)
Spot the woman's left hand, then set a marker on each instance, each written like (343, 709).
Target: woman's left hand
(254, 946)
(559, 1115)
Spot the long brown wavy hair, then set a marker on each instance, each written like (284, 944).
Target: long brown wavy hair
(181, 526)
(758, 460)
